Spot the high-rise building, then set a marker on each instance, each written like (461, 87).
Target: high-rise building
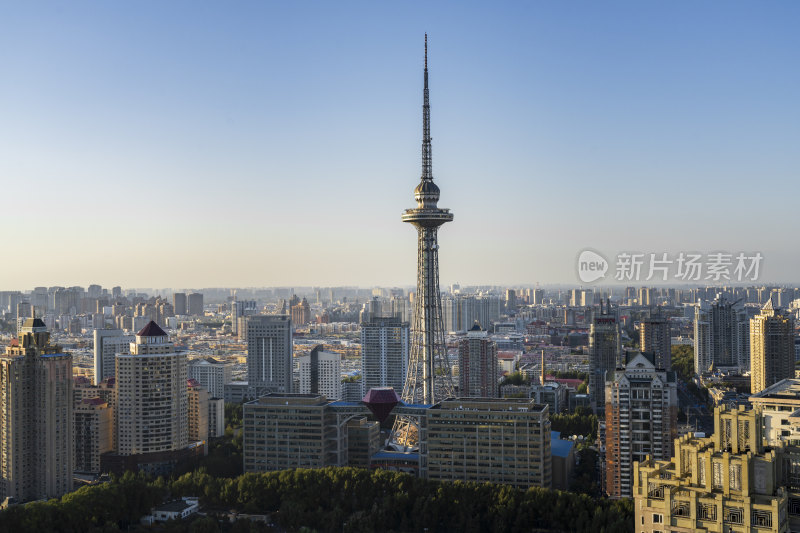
(197, 400)
(212, 375)
(151, 410)
(477, 365)
(384, 353)
(269, 353)
(771, 347)
(605, 353)
(717, 335)
(94, 430)
(641, 420)
(654, 337)
(727, 482)
(107, 344)
(429, 376)
(179, 303)
(301, 313)
(194, 303)
(36, 417)
(321, 373)
(216, 417)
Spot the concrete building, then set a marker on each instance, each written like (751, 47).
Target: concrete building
(301, 313)
(216, 418)
(771, 347)
(477, 365)
(363, 441)
(489, 440)
(779, 408)
(284, 431)
(107, 344)
(655, 338)
(728, 482)
(93, 431)
(321, 373)
(384, 353)
(640, 420)
(151, 404)
(179, 303)
(269, 353)
(471, 439)
(211, 374)
(563, 453)
(605, 352)
(718, 335)
(194, 303)
(36, 410)
(197, 400)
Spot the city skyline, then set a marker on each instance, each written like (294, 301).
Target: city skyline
(555, 129)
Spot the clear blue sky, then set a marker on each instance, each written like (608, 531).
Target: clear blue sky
(277, 143)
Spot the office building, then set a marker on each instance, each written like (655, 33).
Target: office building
(151, 405)
(36, 417)
(363, 441)
(107, 344)
(605, 352)
(179, 303)
(321, 373)
(477, 365)
(771, 347)
(654, 337)
(211, 374)
(641, 420)
(728, 482)
(384, 353)
(489, 441)
(269, 353)
(194, 304)
(283, 431)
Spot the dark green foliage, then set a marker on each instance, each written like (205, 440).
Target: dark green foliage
(515, 378)
(580, 422)
(683, 361)
(329, 500)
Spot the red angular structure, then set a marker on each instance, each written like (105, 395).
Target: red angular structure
(381, 401)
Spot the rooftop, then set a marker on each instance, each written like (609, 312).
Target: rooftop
(151, 330)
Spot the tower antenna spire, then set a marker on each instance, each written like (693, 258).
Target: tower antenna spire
(427, 166)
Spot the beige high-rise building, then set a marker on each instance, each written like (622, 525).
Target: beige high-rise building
(728, 482)
(641, 420)
(151, 405)
(94, 428)
(771, 347)
(36, 436)
(197, 400)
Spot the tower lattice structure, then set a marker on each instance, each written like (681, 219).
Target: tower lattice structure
(428, 379)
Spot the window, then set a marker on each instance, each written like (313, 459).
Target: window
(657, 518)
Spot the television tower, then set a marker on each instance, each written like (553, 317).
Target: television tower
(428, 379)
